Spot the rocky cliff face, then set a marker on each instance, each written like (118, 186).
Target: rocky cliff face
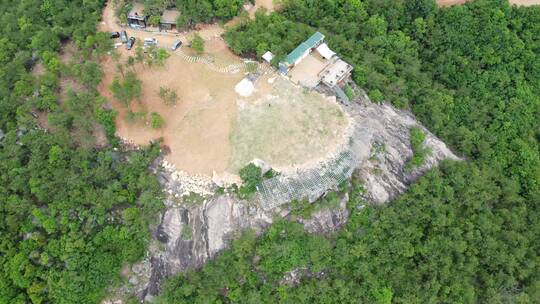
(188, 236)
(385, 132)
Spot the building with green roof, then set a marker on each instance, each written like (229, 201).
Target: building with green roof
(301, 51)
(314, 40)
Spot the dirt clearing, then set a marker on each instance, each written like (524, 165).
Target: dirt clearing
(212, 128)
(202, 115)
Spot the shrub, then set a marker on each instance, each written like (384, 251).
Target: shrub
(156, 121)
(376, 95)
(192, 199)
(168, 96)
(197, 44)
(251, 176)
(349, 92)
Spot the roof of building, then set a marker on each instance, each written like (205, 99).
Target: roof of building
(297, 53)
(169, 16)
(335, 72)
(311, 42)
(325, 51)
(314, 39)
(137, 11)
(268, 56)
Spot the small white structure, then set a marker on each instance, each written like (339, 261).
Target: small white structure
(268, 56)
(325, 51)
(244, 88)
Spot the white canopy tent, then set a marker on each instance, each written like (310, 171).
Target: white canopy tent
(325, 51)
(268, 56)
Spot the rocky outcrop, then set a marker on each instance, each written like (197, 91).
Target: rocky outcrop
(327, 219)
(384, 131)
(190, 235)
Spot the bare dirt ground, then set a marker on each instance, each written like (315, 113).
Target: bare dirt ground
(516, 2)
(211, 128)
(307, 71)
(201, 118)
(38, 69)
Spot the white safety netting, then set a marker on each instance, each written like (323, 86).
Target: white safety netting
(307, 183)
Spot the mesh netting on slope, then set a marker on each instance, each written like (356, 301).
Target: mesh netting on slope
(307, 183)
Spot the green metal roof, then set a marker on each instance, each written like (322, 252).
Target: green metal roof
(296, 53)
(303, 47)
(314, 39)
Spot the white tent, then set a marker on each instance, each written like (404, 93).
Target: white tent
(325, 51)
(268, 56)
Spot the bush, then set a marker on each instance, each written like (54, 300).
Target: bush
(376, 95)
(168, 96)
(156, 121)
(192, 199)
(197, 44)
(251, 176)
(106, 118)
(127, 90)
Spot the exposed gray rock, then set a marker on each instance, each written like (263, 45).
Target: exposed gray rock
(133, 280)
(211, 225)
(384, 130)
(328, 219)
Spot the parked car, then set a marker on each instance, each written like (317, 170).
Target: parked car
(130, 43)
(115, 35)
(124, 37)
(176, 45)
(150, 42)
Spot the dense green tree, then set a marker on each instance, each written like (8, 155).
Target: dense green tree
(63, 238)
(128, 89)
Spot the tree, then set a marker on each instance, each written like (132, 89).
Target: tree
(154, 20)
(127, 90)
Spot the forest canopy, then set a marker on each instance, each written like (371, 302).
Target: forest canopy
(72, 210)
